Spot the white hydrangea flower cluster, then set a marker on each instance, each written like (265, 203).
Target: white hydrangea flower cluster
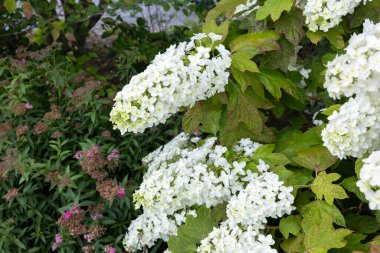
(150, 226)
(234, 239)
(264, 196)
(358, 70)
(355, 129)
(184, 74)
(243, 10)
(325, 14)
(183, 174)
(369, 182)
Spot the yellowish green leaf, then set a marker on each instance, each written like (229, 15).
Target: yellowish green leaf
(324, 188)
(10, 5)
(273, 8)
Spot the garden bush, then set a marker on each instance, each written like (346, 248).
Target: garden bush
(256, 132)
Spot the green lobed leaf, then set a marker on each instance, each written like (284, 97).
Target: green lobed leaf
(10, 5)
(354, 244)
(273, 8)
(317, 225)
(243, 119)
(293, 244)
(242, 61)
(294, 141)
(246, 79)
(334, 36)
(323, 237)
(350, 185)
(319, 211)
(324, 188)
(291, 25)
(294, 177)
(205, 115)
(370, 11)
(281, 58)
(255, 43)
(225, 8)
(195, 229)
(329, 111)
(315, 158)
(362, 223)
(290, 225)
(274, 82)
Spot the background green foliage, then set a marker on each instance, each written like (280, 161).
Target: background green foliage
(45, 60)
(44, 66)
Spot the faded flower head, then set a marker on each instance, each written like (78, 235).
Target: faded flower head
(21, 130)
(54, 114)
(12, 193)
(108, 189)
(72, 220)
(5, 128)
(40, 128)
(92, 162)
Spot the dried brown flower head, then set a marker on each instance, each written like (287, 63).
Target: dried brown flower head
(19, 109)
(92, 162)
(108, 189)
(5, 128)
(21, 130)
(58, 179)
(81, 93)
(40, 127)
(12, 193)
(72, 220)
(56, 135)
(88, 249)
(54, 114)
(106, 134)
(97, 230)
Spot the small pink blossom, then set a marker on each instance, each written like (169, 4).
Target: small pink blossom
(58, 238)
(109, 249)
(78, 155)
(197, 132)
(97, 216)
(89, 237)
(28, 106)
(67, 215)
(120, 193)
(115, 155)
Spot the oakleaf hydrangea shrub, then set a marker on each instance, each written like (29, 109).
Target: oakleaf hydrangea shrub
(264, 172)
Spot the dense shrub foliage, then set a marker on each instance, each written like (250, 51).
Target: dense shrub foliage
(256, 132)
